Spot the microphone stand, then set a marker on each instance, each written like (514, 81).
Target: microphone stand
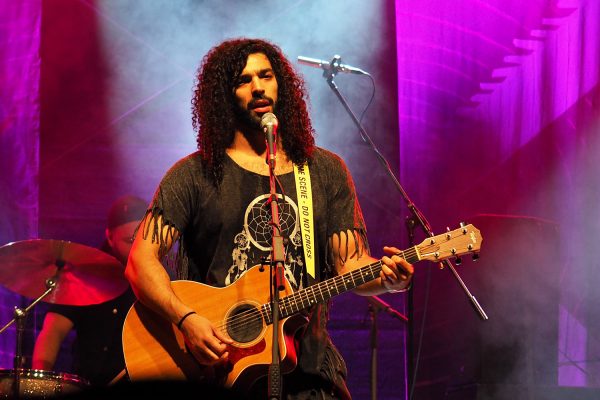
(419, 218)
(276, 277)
(373, 312)
(376, 305)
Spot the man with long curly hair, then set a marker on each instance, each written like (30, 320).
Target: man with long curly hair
(215, 203)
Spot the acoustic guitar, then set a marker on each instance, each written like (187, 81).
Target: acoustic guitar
(155, 349)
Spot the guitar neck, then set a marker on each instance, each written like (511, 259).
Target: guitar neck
(323, 291)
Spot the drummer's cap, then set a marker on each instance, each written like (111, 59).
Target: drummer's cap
(126, 209)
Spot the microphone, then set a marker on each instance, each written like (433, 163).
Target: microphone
(333, 67)
(269, 123)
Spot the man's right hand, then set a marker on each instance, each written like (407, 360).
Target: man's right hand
(207, 343)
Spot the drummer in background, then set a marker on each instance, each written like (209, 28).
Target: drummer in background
(98, 350)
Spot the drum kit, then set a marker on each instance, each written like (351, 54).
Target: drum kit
(60, 272)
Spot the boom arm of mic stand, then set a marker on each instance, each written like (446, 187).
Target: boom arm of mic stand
(380, 305)
(417, 214)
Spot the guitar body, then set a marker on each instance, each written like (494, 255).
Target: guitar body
(155, 349)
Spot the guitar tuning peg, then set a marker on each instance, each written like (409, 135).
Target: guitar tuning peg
(457, 261)
(462, 224)
(475, 256)
(447, 229)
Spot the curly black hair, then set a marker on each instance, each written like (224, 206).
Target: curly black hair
(213, 103)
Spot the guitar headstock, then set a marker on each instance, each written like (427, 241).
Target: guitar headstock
(464, 240)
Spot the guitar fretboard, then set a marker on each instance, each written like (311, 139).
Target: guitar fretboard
(323, 291)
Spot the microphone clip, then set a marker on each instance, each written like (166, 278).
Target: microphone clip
(335, 66)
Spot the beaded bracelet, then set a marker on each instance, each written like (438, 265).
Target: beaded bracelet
(406, 289)
(183, 319)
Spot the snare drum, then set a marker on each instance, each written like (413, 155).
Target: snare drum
(39, 384)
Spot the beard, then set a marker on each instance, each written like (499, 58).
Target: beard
(249, 119)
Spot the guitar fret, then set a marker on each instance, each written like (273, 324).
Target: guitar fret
(334, 287)
(338, 281)
(287, 308)
(266, 313)
(314, 294)
(305, 298)
(328, 292)
(308, 300)
(344, 281)
(290, 306)
(338, 284)
(362, 278)
(321, 291)
(353, 280)
(298, 302)
(306, 303)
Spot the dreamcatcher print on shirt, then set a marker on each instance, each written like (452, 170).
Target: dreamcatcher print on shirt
(254, 242)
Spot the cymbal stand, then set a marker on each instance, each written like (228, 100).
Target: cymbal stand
(20, 318)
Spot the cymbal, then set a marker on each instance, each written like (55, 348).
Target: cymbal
(83, 275)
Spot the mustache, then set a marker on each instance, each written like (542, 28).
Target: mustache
(259, 101)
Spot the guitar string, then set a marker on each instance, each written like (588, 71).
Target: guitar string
(295, 298)
(287, 302)
(245, 317)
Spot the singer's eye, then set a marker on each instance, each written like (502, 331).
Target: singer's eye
(242, 79)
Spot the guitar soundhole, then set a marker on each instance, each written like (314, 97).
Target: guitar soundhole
(245, 323)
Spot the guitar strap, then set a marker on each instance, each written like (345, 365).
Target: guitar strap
(305, 213)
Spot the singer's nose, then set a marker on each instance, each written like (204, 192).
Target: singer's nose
(257, 87)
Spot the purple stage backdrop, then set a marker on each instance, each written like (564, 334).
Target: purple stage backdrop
(486, 110)
(19, 140)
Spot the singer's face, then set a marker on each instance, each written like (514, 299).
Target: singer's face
(256, 89)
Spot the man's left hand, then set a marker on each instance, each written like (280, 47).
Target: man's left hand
(396, 272)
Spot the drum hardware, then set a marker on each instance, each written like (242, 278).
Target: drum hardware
(79, 275)
(39, 384)
(20, 318)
